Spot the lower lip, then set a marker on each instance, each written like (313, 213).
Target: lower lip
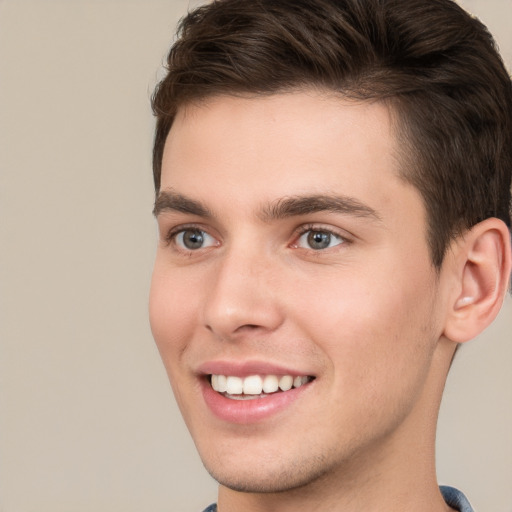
(252, 410)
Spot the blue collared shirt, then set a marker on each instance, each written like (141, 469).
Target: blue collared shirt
(455, 499)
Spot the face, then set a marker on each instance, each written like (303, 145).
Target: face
(293, 299)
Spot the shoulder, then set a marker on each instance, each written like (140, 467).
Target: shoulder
(211, 508)
(455, 499)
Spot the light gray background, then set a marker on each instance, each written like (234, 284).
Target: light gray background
(87, 421)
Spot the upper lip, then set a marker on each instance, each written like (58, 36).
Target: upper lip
(246, 368)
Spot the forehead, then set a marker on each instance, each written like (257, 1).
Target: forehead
(254, 149)
(283, 118)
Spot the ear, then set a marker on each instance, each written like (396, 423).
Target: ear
(482, 265)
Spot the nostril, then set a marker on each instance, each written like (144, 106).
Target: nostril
(244, 327)
(249, 327)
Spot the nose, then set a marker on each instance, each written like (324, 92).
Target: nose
(243, 298)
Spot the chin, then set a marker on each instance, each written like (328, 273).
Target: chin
(271, 477)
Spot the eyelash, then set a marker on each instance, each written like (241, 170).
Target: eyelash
(172, 234)
(170, 238)
(320, 229)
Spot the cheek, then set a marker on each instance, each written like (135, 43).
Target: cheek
(171, 314)
(376, 332)
(171, 310)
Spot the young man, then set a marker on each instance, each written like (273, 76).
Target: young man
(333, 200)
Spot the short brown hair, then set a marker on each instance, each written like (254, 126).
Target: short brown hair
(436, 66)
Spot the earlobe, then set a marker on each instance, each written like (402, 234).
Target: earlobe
(482, 269)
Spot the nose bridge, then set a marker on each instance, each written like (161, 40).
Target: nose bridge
(242, 294)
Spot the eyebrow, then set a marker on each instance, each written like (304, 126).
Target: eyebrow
(292, 206)
(304, 205)
(169, 200)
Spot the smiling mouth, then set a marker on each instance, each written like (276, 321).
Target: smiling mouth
(255, 386)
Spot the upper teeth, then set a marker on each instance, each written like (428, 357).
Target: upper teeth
(255, 384)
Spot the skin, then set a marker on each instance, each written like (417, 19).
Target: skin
(365, 316)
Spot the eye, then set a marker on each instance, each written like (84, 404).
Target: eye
(318, 239)
(192, 239)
